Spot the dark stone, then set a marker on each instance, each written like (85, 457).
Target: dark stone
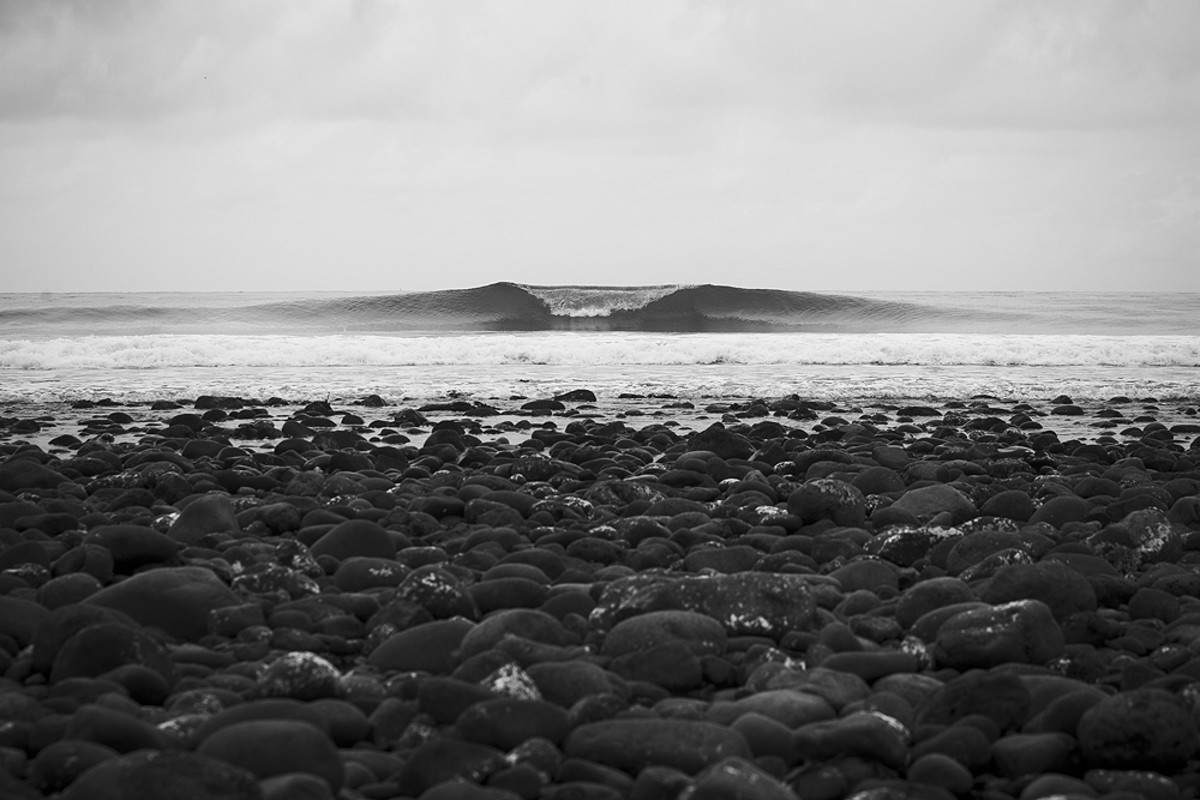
(634, 744)
(998, 695)
(356, 537)
(1023, 632)
(133, 546)
(506, 722)
(187, 776)
(429, 647)
(1064, 590)
(443, 759)
(276, 747)
(176, 600)
(1146, 729)
(210, 513)
(828, 498)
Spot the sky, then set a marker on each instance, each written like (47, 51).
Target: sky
(371, 145)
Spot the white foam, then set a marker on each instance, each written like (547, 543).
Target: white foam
(595, 349)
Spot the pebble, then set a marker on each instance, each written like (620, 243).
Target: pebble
(961, 608)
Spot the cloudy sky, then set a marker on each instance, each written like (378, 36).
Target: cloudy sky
(415, 144)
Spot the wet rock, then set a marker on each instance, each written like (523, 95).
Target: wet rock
(155, 774)
(770, 604)
(176, 600)
(828, 498)
(1023, 632)
(273, 747)
(300, 676)
(1061, 588)
(210, 513)
(1142, 729)
(927, 502)
(634, 744)
(736, 777)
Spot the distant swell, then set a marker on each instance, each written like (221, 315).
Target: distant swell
(663, 309)
(511, 307)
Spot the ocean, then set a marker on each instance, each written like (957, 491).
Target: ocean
(509, 340)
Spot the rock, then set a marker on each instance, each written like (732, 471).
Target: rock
(751, 603)
(122, 732)
(133, 546)
(939, 769)
(1061, 588)
(360, 573)
(442, 759)
(277, 709)
(506, 722)
(1023, 631)
(1142, 537)
(525, 623)
(355, 537)
(57, 765)
(272, 747)
(176, 600)
(568, 682)
(1058, 511)
(209, 513)
(671, 665)
(929, 595)
(866, 574)
(701, 634)
(736, 777)
(437, 591)
(1138, 730)
(20, 619)
(300, 676)
(964, 743)
(98, 648)
(1150, 603)
(787, 706)
(296, 786)
(1020, 754)
(429, 647)
(828, 498)
(927, 502)
(21, 474)
(1011, 504)
(864, 734)
(634, 744)
(722, 442)
(1000, 696)
(187, 776)
(1141, 783)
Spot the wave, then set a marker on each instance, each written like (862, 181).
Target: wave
(502, 306)
(664, 308)
(777, 351)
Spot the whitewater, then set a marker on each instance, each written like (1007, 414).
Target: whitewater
(505, 340)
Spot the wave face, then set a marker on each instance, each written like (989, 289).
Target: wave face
(495, 307)
(512, 307)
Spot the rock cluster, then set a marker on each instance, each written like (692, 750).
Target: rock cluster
(933, 604)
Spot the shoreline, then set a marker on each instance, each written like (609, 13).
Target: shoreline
(608, 597)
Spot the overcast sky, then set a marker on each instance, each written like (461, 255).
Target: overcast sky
(385, 144)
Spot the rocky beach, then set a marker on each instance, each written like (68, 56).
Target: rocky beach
(575, 597)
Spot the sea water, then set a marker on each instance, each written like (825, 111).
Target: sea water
(507, 340)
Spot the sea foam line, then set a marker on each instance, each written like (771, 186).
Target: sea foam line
(584, 349)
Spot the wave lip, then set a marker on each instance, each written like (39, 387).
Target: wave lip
(662, 308)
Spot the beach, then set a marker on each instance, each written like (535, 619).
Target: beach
(601, 596)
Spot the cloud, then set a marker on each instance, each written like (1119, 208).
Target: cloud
(537, 140)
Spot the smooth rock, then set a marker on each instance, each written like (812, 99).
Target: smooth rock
(176, 600)
(275, 747)
(634, 744)
(1143, 729)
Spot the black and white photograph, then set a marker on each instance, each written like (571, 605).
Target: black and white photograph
(599, 400)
